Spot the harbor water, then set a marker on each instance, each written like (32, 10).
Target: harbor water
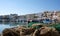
(10, 25)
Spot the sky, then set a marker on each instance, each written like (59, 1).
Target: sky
(22, 7)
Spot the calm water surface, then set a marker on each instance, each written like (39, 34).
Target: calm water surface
(9, 25)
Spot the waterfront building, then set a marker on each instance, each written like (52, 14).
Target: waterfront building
(1, 18)
(5, 18)
(13, 17)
